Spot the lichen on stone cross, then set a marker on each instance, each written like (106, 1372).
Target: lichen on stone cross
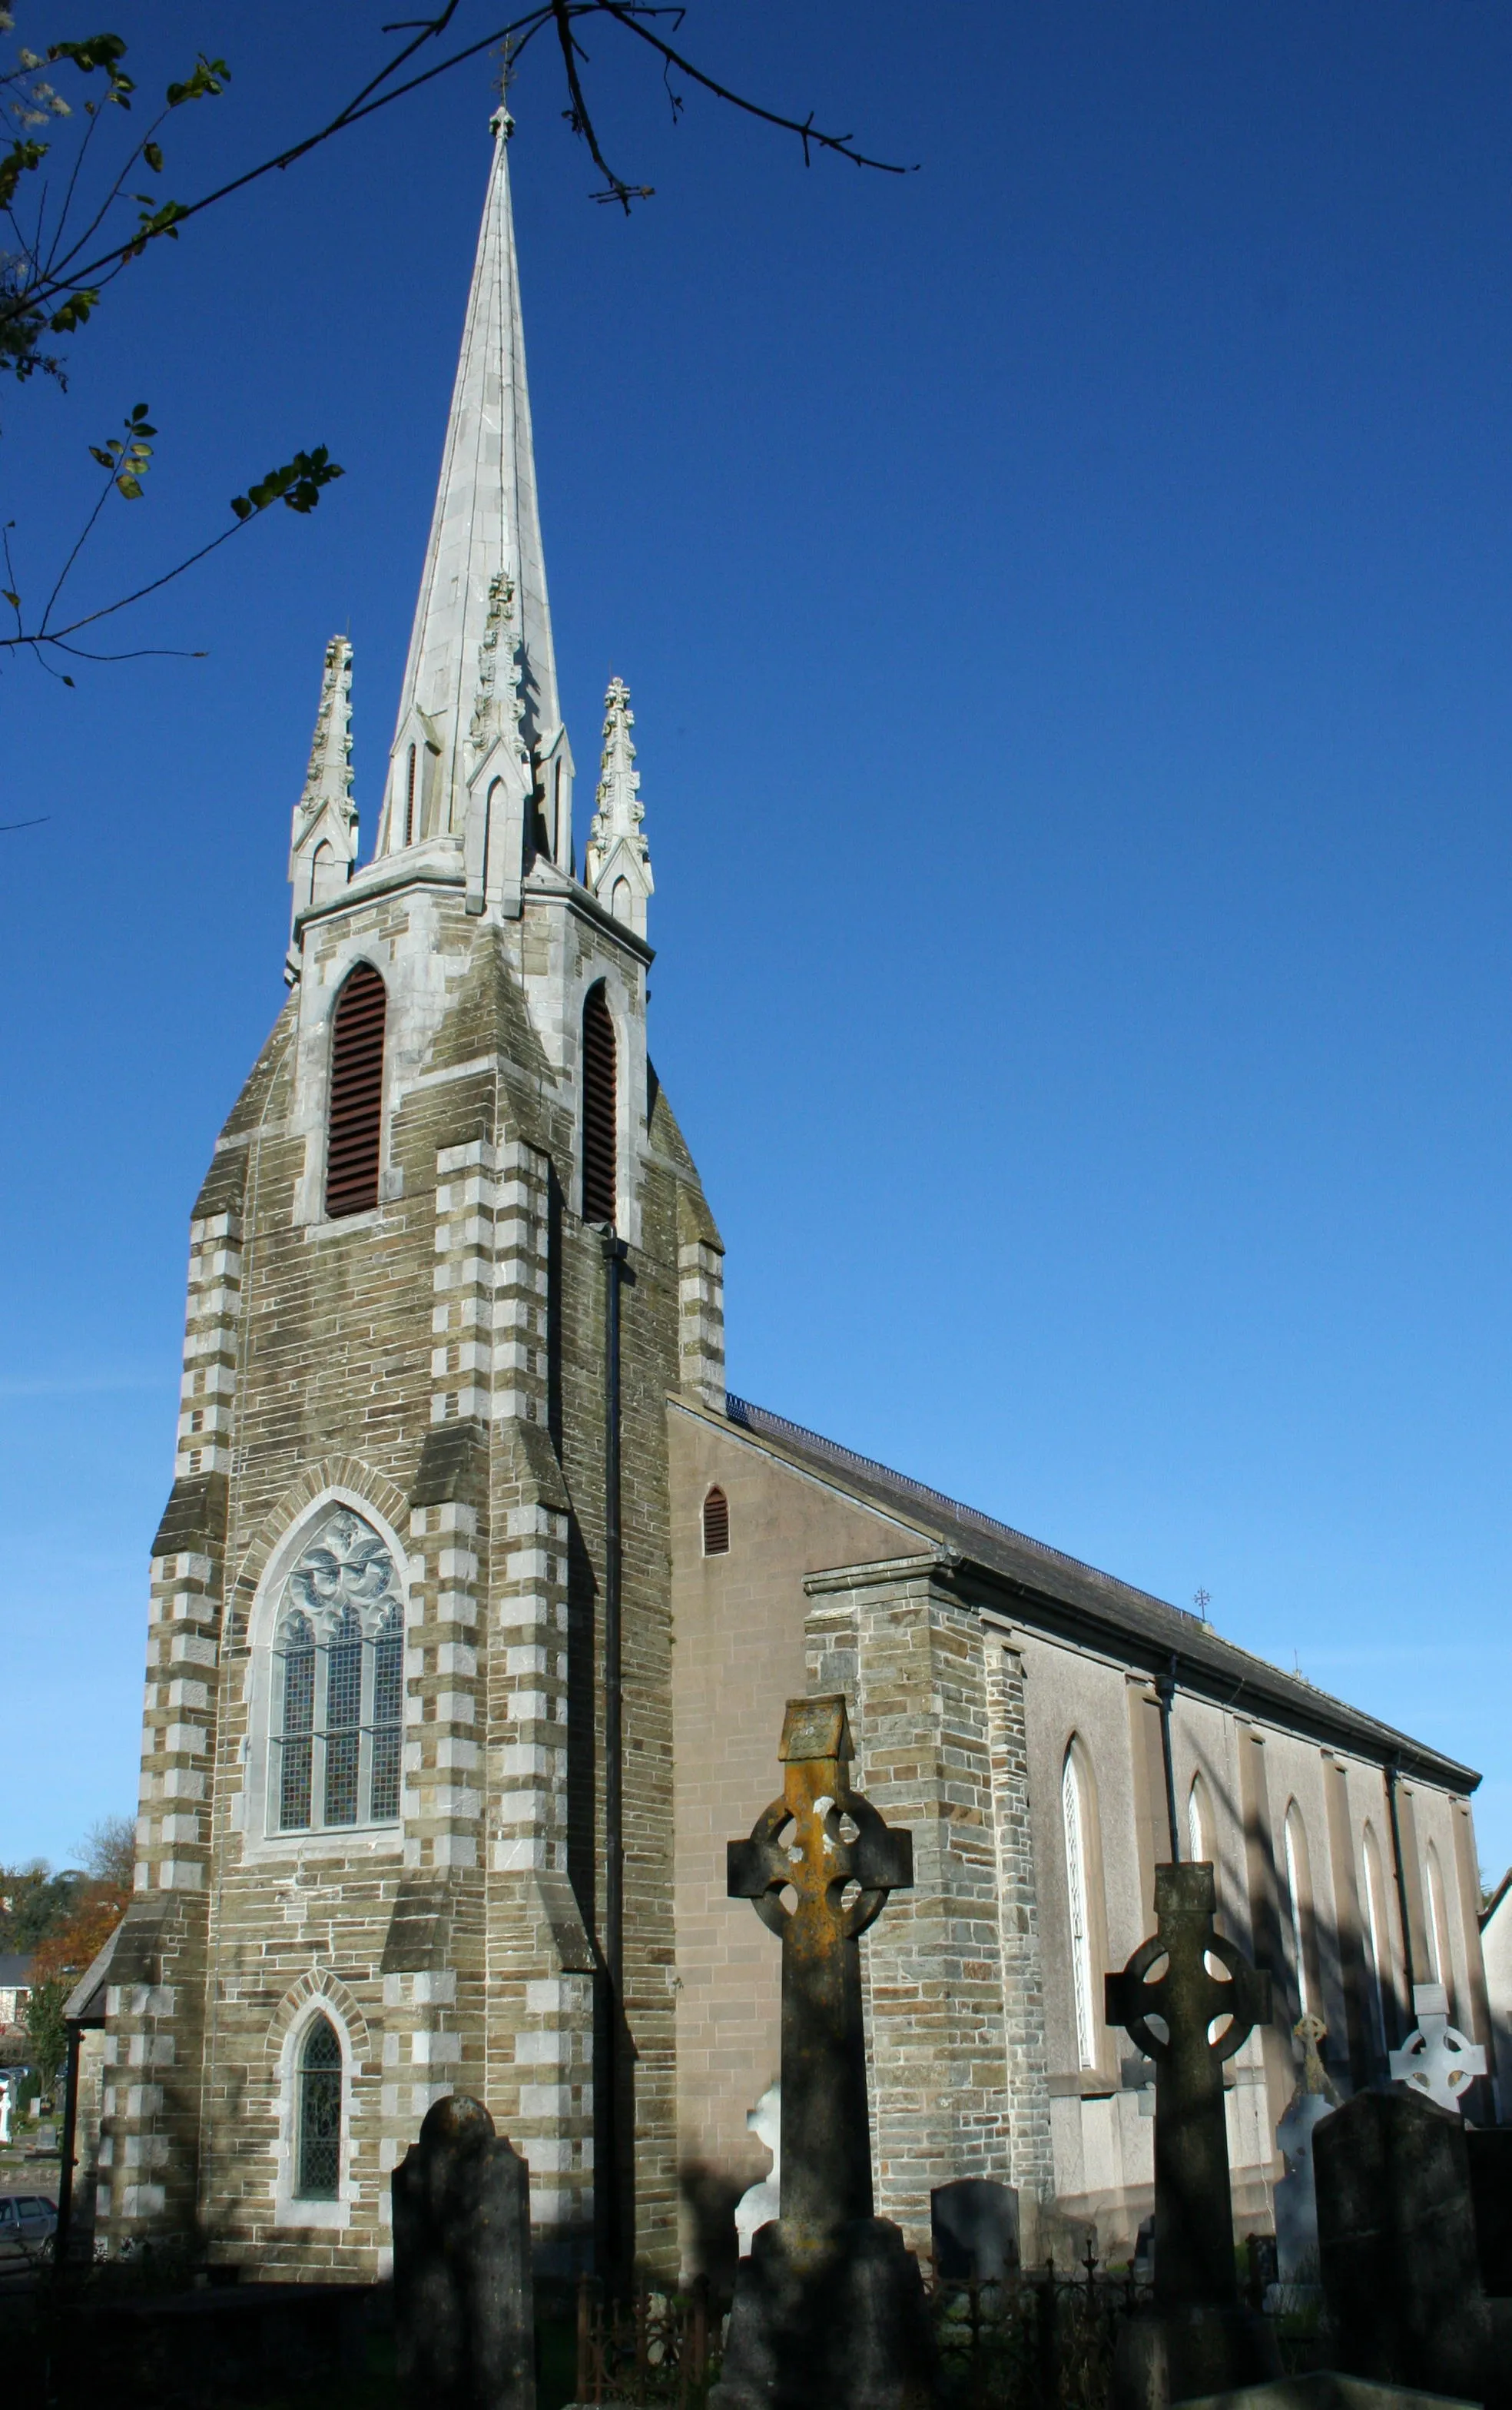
(1174, 1989)
(826, 1849)
(1437, 2059)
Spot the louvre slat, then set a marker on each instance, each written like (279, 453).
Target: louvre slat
(599, 1181)
(355, 1120)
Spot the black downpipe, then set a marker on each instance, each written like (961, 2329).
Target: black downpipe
(1393, 1774)
(608, 2154)
(1165, 1690)
(70, 2135)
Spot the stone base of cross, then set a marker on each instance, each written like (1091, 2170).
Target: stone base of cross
(1437, 2060)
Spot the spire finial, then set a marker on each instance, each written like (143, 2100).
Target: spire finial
(617, 865)
(484, 556)
(323, 845)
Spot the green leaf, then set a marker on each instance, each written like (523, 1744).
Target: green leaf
(151, 152)
(75, 310)
(139, 411)
(210, 78)
(129, 487)
(242, 507)
(19, 161)
(67, 680)
(100, 50)
(14, 599)
(106, 459)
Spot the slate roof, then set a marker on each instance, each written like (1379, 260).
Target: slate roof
(1059, 1592)
(15, 1973)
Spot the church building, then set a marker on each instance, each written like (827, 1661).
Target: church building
(476, 1599)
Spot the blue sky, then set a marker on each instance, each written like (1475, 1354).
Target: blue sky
(1065, 598)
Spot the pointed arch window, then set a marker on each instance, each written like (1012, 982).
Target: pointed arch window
(717, 1523)
(320, 2113)
(1200, 1845)
(355, 1117)
(410, 798)
(1076, 1812)
(1438, 1921)
(338, 1688)
(600, 1112)
(1376, 1968)
(1299, 1905)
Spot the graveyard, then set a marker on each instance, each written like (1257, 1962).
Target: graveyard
(1386, 2285)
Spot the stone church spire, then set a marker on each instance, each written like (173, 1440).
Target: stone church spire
(465, 762)
(323, 846)
(617, 865)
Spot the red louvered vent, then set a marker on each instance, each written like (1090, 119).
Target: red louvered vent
(357, 1119)
(600, 1186)
(716, 1524)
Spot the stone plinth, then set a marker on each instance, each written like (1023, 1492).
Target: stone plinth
(843, 2323)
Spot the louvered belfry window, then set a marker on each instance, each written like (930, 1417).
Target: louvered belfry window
(716, 1524)
(356, 1115)
(600, 1184)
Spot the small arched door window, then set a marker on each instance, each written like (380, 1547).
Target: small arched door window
(355, 1117)
(320, 2113)
(1077, 1811)
(600, 1114)
(717, 1523)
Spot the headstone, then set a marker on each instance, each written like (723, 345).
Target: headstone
(5, 2091)
(1437, 2060)
(1296, 2195)
(830, 2307)
(975, 2225)
(763, 2202)
(1398, 2253)
(464, 2311)
(1200, 2338)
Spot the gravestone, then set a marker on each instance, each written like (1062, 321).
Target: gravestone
(974, 2227)
(7, 2095)
(1399, 2252)
(830, 2307)
(1437, 2060)
(1200, 2338)
(463, 2310)
(757, 2207)
(1296, 2195)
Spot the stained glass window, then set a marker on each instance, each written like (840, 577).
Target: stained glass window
(388, 1669)
(297, 1742)
(337, 1705)
(320, 2113)
(343, 1720)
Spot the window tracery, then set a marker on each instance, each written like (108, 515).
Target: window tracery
(339, 1689)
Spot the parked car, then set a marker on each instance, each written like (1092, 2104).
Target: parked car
(27, 2225)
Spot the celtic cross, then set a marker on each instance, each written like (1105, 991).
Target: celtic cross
(1202, 1978)
(817, 1868)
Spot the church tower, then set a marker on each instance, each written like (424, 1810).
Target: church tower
(406, 1819)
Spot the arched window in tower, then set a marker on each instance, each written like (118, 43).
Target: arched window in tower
(410, 798)
(1199, 1842)
(1299, 1905)
(1374, 1937)
(355, 1117)
(338, 1688)
(717, 1523)
(600, 1117)
(320, 2113)
(1077, 1811)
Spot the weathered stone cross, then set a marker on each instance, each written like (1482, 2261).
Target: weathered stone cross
(1437, 2059)
(827, 1845)
(1194, 2264)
